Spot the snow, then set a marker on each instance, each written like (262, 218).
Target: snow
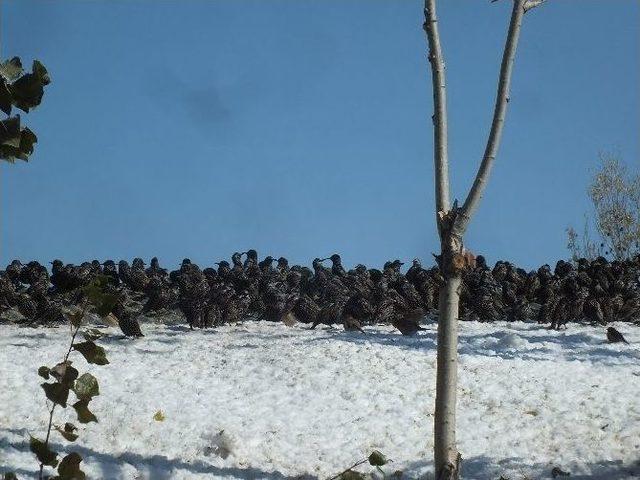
(260, 400)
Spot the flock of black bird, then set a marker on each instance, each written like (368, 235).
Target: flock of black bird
(597, 291)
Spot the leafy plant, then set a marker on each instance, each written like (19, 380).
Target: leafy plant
(24, 91)
(63, 378)
(376, 459)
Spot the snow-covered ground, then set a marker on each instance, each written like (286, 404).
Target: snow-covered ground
(295, 403)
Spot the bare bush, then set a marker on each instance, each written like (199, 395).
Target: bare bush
(615, 195)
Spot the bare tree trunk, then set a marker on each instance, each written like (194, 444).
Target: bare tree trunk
(452, 224)
(446, 456)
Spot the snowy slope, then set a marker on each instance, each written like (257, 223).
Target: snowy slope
(295, 403)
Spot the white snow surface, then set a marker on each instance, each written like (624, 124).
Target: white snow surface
(261, 400)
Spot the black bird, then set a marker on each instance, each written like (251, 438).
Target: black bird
(252, 258)
(283, 265)
(155, 269)
(126, 321)
(336, 265)
(130, 326)
(614, 336)
(13, 271)
(351, 324)
(408, 324)
(236, 260)
(593, 311)
(110, 270)
(224, 269)
(266, 265)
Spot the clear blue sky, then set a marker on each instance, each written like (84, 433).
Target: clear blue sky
(302, 128)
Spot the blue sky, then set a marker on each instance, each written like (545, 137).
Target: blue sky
(302, 128)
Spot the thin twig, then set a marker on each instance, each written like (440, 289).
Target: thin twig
(350, 468)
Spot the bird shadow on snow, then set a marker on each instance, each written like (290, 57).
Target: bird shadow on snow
(483, 467)
(580, 347)
(542, 345)
(156, 467)
(424, 342)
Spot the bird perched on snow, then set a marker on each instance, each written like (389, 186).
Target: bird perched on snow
(351, 324)
(126, 320)
(614, 336)
(130, 326)
(408, 324)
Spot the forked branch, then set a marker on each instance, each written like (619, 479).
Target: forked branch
(440, 143)
(499, 114)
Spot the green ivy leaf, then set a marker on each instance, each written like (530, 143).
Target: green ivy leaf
(352, 475)
(86, 387)
(11, 69)
(64, 373)
(102, 301)
(45, 455)
(69, 468)
(40, 71)
(10, 131)
(92, 352)
(92, 334)
(27, 92)
(57, 393)
(5, 97)
(27, 139)
(15, 142)
(68, 431)
(44, 372)
(84, 414)
(377, 459)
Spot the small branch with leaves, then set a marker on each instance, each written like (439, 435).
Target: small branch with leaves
(23, 91)
(64, 378)
(377, 459)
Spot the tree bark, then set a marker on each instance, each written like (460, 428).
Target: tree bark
(446, 455)
(440, 123)
(452, 224)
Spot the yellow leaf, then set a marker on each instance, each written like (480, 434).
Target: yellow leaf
(159, 416)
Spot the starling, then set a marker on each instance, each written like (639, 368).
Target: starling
(130, 326)
(614, 336)
(351, 324)
(126, 321)
(408, 324)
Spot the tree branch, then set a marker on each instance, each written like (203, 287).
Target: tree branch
(499, 114)
(529, 4)
(440, 142)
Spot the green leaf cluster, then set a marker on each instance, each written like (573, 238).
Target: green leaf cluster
(91, 352)
(69, 468)
(376, 459)
(63, 378)
(99, 296)
(23, 91)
